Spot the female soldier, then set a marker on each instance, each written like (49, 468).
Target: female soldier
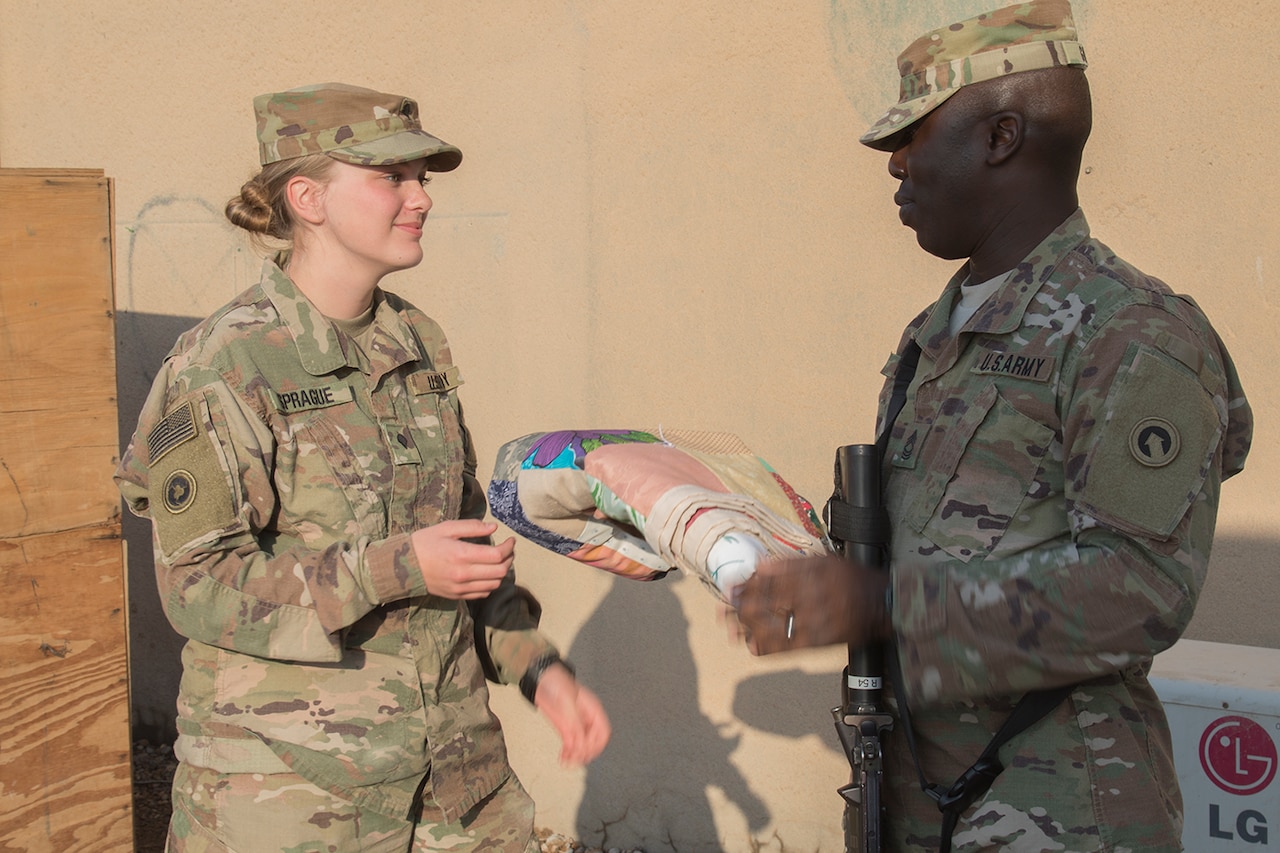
(318, 526)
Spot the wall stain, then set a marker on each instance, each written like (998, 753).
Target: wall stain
(163, 255)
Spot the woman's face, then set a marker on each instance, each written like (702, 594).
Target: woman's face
(375, 214)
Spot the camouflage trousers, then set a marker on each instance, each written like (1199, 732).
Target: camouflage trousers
(216, 812)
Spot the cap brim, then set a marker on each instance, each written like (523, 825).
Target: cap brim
(883, 134)
(401, 148)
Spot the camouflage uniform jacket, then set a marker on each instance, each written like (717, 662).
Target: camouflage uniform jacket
(284, 470)
(1053, 481)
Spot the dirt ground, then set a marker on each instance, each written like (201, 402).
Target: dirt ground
(153, 767)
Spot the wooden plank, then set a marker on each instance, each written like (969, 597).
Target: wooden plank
(64, 721)
(6, 171)
(58, 442)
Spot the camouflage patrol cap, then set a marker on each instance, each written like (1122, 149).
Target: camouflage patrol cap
(348, 123)
(1022, 37)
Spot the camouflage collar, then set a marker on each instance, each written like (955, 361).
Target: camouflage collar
(392, 323)
(316, 338)
(1003, 312)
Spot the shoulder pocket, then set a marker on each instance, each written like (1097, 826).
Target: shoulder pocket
(190, 477)
(1160, 431)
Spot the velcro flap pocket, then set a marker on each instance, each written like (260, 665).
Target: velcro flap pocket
(1160, 433)
(189, 480)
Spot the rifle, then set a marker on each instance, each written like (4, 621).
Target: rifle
(859, 527)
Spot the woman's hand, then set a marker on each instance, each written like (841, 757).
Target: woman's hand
(457, 569)
(576, 714)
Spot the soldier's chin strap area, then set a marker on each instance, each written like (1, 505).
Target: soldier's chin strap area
(974, 782)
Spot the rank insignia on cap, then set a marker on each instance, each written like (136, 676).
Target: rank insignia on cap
(179, 491)
(1154, 442)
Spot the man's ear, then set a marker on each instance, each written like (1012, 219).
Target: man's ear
(1005, 134)
(306, 199)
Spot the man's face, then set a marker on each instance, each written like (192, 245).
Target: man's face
(938, 162)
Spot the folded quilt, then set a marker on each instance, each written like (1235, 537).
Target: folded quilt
(639, 503)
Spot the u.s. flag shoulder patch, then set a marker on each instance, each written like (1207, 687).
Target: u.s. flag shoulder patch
(178, 427)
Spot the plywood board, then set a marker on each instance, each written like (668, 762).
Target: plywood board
(58, 438)
(64, 711)
(64, 685)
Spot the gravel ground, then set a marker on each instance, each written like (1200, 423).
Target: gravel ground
(153, 767)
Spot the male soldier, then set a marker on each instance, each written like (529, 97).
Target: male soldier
(1052, 477)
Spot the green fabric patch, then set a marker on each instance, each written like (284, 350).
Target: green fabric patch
(1159, 436)
(1037, 368)
(319, 397)
(189, 493)
(437, 382)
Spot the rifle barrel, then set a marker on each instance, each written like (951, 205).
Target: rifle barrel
(860, 486)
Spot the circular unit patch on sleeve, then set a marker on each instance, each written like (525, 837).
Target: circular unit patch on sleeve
(179, 491)
(1154, 442)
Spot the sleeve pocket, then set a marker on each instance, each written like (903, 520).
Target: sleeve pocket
(190, 482)
(1158, 440)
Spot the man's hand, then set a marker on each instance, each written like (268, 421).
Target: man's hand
(576, 714)
(812, 601)
(456, 569)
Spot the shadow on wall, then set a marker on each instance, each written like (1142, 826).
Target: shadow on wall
(650, 790)
(646, 789)
(155, 664)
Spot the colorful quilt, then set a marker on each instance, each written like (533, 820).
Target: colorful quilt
(640, 503)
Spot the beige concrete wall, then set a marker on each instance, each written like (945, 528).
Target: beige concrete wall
(663, 217)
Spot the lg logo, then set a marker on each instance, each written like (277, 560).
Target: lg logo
(1240, 757)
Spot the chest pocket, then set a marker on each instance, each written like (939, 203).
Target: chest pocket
(432, 440)
(326, 442)
(433, 404)
(978, 476)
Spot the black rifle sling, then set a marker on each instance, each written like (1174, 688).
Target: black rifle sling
(902, 377)
(1031, 708)
(974, 782)
(849, 523)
